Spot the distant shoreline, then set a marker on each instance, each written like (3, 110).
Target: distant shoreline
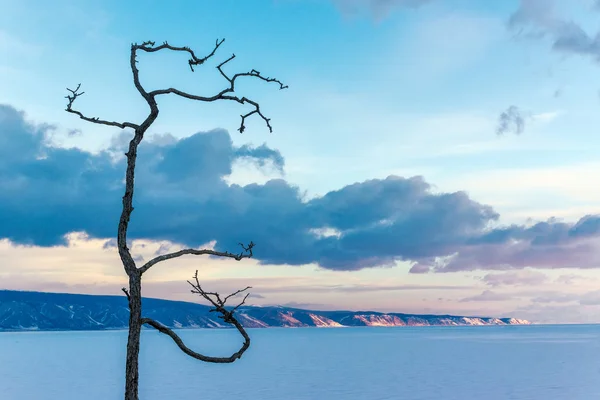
(125, 329)
(24, 311)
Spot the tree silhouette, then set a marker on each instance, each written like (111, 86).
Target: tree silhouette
(134, 292)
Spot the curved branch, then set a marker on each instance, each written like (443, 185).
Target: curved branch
(254, 73)
(219, 96)
(223, 360)
(247, 253)
(75, 94)
(226, 315)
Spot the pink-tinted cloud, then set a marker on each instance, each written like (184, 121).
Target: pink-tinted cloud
(488, 295)
(515, 278)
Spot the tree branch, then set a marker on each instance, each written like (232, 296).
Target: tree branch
(222, 360)
(75, 94)
(148, 47)
(126, 293)
(217, 302)
(247, 253)
(223, 94)
(226, 315)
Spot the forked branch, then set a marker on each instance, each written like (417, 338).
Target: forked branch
(226, 315)
(216, 301)
(75, 94)
(224, 94)
(246, 253)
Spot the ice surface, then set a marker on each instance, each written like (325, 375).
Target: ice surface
(408, 363)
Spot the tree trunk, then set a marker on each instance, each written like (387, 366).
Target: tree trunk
(133, 341)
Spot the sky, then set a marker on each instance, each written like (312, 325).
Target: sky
(428, 156)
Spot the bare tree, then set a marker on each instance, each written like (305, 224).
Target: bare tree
(134, 293)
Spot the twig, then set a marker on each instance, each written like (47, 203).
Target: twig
(75, 94)
(126, 293)
(217, 302)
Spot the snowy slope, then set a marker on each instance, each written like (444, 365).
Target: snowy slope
(57, 311)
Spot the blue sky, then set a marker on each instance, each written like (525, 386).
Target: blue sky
(385, 184)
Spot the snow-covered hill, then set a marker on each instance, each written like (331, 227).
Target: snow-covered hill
(59, 311)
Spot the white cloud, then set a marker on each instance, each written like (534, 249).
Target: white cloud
(546, 117)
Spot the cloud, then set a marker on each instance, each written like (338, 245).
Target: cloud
(488, 295)
(558, 92)
(569, 279)
(385, 288)
(182, 197)
(545, 117)
(419, 268)
(556, 313)
(590, 298)
(549, 244)
(304, 306)
(515, 278)
(378, 9)
(540, 19)
(261, 155)
(511, 120)
(74, 132)
(556, 298)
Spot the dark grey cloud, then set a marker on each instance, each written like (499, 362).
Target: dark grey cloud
(540, 19)
(182, 196)
(378, 9)
(511, 120)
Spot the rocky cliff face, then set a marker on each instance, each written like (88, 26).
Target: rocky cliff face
(55, 311)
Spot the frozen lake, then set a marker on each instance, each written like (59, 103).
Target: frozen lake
(403, 363)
